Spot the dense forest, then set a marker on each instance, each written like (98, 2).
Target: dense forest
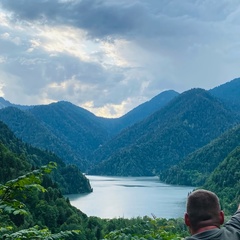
(195, 169)
(18, 158)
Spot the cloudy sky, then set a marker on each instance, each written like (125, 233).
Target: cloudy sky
(109, 56)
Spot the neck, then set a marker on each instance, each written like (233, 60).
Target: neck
(203, 229)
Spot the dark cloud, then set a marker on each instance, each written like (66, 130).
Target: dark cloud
(32, 10)
(103, 18)
(99, 18)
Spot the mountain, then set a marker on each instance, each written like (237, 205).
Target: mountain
(4, 103)
(142, 111)
(185, 124)
(229, 93)
(32, 131)
(72, 132)
(79, 129)
(195, 169)
(17, 158)
(69, 131)
(79, 137)
(225, 181)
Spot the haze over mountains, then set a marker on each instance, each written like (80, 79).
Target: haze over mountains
(153, 138)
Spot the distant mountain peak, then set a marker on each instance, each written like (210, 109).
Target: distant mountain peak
(4, 103)
(229, 93)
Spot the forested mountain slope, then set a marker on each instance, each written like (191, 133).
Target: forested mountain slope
(229, 93)
(225, 181)
(187, 123)
(75, 126)
(31, 130)
(142, 111)
(197, 166)
(17, 158)
(70, 131)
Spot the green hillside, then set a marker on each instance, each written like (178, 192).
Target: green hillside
(65, 129)
(141, 112)
(229, 93)
(225, 181)
(18, 158)
(188, 122)
(76, 126)
(197, 166)
(71, 132)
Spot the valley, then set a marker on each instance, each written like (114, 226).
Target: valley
(186, 139)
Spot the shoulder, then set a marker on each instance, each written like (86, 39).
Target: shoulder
(234, 222)
(209, 234)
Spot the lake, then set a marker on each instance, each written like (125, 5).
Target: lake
(128, 197)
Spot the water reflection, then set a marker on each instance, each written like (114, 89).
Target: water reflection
(131, 197)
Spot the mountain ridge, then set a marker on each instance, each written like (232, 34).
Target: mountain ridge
(70, 131)
(161, 135)
(79, 137)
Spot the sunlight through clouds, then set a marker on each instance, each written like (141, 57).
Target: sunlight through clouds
(4, 19)
(113, 52)
(109, 110)
(64, 39)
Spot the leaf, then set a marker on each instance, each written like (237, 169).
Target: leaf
(20, 211)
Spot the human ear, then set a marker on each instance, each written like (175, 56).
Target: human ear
(186, 219)
(221, 217)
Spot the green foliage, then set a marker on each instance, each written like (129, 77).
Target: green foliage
(36, 233)
(11, 165)
(17, 158)
(225, 182)
(75, 180)
(11, 193)
(150, 229)
(197, 166)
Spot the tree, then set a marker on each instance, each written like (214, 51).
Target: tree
(11, 195)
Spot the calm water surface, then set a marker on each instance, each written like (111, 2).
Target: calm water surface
(131, 197)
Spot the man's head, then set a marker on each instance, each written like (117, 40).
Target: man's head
(203, 211)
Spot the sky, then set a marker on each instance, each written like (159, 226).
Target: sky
(109, 56)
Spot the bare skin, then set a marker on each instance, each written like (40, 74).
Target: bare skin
(210, 225)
